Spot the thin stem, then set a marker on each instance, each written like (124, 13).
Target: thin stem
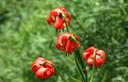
(105, 77)
(80, 60)
(62, 77)
(57, 2)
(66, 25)
(76, 80)
(93, 70)
(76, 19)
(83, 66)
(67, 28)
(79, 68)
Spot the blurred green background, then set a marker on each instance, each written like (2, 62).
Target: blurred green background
(25, 35)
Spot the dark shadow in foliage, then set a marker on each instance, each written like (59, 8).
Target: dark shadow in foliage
(3, 16)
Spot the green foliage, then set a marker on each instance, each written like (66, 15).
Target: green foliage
(25, 35)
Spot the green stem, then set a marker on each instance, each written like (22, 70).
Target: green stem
(76, 19)
(93, 70)
(67, 28)
(62, 77)
(66, 25)
(76, 80)
(80, 59)
(57, 2)
(79, 68)
(105, 77)
(83, 66)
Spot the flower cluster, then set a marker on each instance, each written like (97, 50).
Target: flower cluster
(43, 68)
(68, 43)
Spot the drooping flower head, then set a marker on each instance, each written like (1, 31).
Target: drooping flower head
(43, 68)
(58, 17)
(67, 42)
(88, 56)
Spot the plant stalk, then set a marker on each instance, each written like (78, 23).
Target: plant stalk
(82, 64)
(80, 69)
(62, 77)
(94, 64)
